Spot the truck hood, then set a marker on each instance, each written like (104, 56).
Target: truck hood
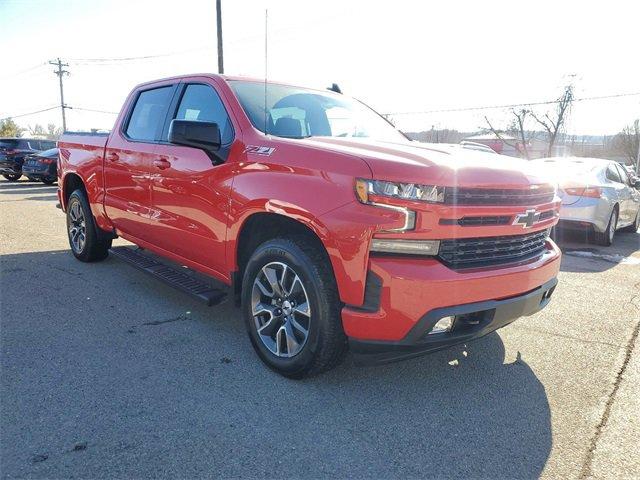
(435, 164)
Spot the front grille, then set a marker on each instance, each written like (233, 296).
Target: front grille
(477, 221)
(498, 196)
(488, 251)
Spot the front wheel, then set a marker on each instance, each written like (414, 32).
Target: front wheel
(86, 242)
(12, 177)
(48, 181)
(606, 238)
(291, 308)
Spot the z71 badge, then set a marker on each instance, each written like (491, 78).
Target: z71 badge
(259, 150)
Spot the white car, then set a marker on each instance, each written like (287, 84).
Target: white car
(597, 195)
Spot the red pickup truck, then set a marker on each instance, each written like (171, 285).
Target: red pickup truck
(332, 229)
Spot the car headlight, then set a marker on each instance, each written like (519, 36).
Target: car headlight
(403, 191)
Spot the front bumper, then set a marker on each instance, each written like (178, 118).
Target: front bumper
(472, 321)
(402, 291)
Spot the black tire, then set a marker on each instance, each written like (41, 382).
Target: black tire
(12, 177)
(633, 228)
(48, 181)
(606, 238)
(95, 244)
(325, 344)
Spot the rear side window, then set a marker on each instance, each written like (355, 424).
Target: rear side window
(202, 103)
(612, 174)
(148, 114)
(623, 175)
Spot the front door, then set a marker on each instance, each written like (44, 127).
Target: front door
(128, 160)
(190, 192)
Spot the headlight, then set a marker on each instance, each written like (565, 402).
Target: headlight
(403, 191)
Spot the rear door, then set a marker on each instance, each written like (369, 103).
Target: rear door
(627, 195)
(128, 158)
(190, 193)
(621, 192)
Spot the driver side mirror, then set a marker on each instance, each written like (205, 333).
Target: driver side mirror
(192, 133)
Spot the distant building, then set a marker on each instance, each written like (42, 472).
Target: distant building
(509, 145)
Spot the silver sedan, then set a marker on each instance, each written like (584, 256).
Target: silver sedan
(597, 195)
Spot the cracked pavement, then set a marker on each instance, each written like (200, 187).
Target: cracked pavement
(107, 373)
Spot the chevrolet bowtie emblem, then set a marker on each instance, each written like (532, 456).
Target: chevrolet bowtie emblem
(527, 219)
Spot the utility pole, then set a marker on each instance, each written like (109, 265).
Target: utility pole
(60, 72)
(219, 19)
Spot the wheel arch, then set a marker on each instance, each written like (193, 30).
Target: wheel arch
(72, 182)
(261, 226)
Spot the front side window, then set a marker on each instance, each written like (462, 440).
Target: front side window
(202, 103)
(299, 113)
(147, 118)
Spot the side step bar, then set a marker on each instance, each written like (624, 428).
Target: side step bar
(172, 276)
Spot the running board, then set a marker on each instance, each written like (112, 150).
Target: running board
(172, 276)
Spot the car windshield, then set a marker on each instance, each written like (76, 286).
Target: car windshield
(295, 112)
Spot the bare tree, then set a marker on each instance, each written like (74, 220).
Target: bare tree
(516, 129)
(53, 132)
(627, 141)
(554, 123)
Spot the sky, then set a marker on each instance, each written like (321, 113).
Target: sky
(400, 56)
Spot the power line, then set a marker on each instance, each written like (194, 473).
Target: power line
(29, 113)
(83, 61)
(94, 110)
(531, 104)
(21, 72)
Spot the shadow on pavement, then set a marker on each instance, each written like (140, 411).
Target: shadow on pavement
(580, 254)
(189, 398)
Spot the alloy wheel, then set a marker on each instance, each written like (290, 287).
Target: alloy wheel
(280, 309)
(77, 227)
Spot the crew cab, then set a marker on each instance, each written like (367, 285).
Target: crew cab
(331, 229)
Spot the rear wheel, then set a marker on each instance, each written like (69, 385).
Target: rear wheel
(634, 226)
(87, 243)
(606, 238)
(291, 308)
(12, 177)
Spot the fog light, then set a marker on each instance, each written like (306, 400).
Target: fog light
(443, 325)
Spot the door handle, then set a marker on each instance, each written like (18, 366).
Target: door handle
(113, 157)
(162, 163)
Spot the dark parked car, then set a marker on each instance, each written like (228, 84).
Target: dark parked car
(13, 151)
(42, 166)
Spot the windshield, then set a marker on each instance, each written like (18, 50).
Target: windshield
(295, 112)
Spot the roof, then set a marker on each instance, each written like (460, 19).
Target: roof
(490, 136)
(227, 78)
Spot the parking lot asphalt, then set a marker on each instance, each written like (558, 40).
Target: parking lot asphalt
(108, 373)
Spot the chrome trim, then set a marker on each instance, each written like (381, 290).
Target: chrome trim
(409, 217)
